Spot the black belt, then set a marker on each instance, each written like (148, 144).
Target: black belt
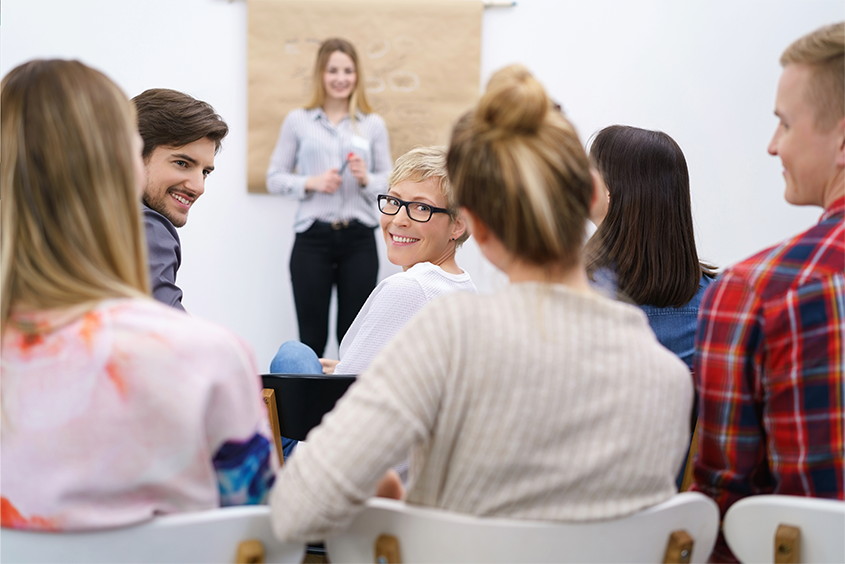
(341, 224)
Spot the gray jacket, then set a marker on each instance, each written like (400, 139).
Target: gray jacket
(165, 255)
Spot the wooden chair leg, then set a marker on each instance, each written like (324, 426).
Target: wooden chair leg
(787, 544)
(693, 449)
(679, 548)
(250, 552)
(273, 415)
(387, 550)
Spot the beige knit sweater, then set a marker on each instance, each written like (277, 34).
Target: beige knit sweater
(538, 402)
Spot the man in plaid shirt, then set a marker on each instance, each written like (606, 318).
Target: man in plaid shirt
(768, 361)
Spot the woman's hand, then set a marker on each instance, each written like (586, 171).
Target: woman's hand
(358, 168)
(390, 486)
(328, 365)
(327, 182)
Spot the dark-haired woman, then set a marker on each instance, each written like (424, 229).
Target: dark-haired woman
(545, 400)
(333, 155)
(644, 248)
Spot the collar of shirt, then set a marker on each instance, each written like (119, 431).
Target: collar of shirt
(836, 208)
(318, 113)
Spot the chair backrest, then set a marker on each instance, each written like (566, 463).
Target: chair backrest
(751, 524)
(217, 535)
(303, 399)
(273, 417)
(433, 535)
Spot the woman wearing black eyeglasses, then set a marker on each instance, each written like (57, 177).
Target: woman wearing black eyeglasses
(544, 400)
(422, 229)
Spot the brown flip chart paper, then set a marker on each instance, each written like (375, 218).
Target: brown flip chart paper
(420, 61)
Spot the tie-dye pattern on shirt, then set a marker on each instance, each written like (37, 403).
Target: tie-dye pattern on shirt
(114, 414)
(244, 474)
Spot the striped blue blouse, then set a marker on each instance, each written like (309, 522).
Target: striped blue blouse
(309, 144)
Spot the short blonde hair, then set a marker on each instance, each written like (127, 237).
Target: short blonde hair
(824, 52)
(520, 167)
(423, 163)
(71, 220)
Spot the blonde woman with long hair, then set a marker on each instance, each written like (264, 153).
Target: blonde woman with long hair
(333, 156)
(115, 407)
(544, 400)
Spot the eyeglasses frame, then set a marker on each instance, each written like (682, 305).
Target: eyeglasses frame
(403, 203)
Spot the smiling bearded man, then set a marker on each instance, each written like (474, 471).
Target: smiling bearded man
(181, 136)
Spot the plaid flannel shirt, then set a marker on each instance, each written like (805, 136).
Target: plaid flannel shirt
(769, 371)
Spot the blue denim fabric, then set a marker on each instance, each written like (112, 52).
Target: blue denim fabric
(675, 329)
(294, 357)
(674, 326)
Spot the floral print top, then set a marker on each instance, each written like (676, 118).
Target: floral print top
(115, 414)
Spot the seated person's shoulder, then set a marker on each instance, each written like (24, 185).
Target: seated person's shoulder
(148, 324)
(400, 282)
(157, 225)
(438, 281)
(800, 260)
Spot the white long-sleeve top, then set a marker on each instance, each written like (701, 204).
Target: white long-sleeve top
(390, 306)
(309, 144)
(537, 402)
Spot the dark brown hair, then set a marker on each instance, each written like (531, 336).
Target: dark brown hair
(647, 237)
(173, 119)
(522, 170)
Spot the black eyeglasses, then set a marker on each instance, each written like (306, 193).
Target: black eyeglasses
(417, 211)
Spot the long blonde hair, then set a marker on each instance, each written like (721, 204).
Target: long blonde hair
(71, 222)
(358, 99)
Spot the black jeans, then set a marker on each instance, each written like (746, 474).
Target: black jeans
(325, 256)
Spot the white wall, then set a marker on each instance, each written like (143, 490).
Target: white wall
(703, 71)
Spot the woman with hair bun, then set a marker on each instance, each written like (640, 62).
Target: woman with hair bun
(544, 400)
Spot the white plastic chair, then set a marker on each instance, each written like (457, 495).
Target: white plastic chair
(752, 524)
(226, 535)
(433, 535)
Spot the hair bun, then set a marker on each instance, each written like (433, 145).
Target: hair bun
(514, 102)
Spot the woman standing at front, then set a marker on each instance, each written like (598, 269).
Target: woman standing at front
(334, 157)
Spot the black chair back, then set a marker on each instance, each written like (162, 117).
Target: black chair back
(303, 399)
